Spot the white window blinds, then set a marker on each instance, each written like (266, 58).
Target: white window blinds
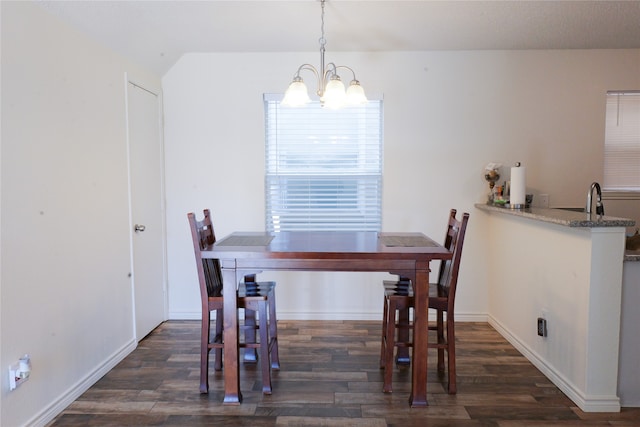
(323, 167)
(622, 142)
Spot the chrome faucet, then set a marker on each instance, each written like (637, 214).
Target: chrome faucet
(599, 205)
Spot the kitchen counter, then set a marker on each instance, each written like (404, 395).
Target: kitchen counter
(554, 264)
(632, 255)
(569, 219)
(562, 217)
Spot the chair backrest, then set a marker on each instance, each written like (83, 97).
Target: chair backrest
(454, 240)
(209, 273)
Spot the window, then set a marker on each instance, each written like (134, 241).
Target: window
(323, 167)
(622, 142)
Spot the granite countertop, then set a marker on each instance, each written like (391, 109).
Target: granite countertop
(562, 217)
(567, 218)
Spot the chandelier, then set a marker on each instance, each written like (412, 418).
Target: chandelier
(331, 90)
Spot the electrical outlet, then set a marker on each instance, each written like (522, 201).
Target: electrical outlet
(544, 200)
(19, 372)
(542, 327)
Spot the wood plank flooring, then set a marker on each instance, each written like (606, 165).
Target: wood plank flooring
(329, 377)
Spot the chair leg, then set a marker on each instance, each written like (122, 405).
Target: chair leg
(204, 351)
(389, 346)
(402, 355)
(265, 364)
(383, 340)
(250, 354)
(440, 339)
(218, 352)
(451, 353)
(273, 332)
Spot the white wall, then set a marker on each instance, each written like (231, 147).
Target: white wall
(447, 114)
(66, 295)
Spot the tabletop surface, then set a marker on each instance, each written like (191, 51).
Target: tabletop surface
(328, 242)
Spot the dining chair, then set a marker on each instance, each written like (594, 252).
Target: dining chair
(252, 296)
(399, 299)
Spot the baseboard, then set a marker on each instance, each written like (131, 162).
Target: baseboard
(293, 315)
(56, 407)
(322, 315)
(584, 402)
(630, 403)
(185, 315)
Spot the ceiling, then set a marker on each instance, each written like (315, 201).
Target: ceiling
(156, 34)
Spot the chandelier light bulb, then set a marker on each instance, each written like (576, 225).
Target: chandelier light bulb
(334, 93)
(355, 94)
(296, 94)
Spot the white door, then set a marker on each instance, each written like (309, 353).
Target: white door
(147, 214)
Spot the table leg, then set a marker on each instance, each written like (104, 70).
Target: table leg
(232, 394)
(418, 395)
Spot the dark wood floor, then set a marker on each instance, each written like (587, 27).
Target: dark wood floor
(329, 377)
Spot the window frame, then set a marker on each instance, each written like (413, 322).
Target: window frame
(341, 161)
(622, 145)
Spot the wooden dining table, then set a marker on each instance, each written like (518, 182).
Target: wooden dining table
(405, 254)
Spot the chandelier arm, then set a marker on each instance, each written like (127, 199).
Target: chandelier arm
(347, 68)
(313, 69)
(330, 70)
(305, 67)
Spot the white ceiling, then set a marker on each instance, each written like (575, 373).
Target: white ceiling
(157, 33)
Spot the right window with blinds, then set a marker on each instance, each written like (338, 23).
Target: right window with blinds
(622, 142)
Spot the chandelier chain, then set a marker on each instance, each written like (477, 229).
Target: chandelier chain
(322, 40)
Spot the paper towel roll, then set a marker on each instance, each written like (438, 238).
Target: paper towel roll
(518, 186)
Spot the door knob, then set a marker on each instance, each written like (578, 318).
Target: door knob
(139, 227)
